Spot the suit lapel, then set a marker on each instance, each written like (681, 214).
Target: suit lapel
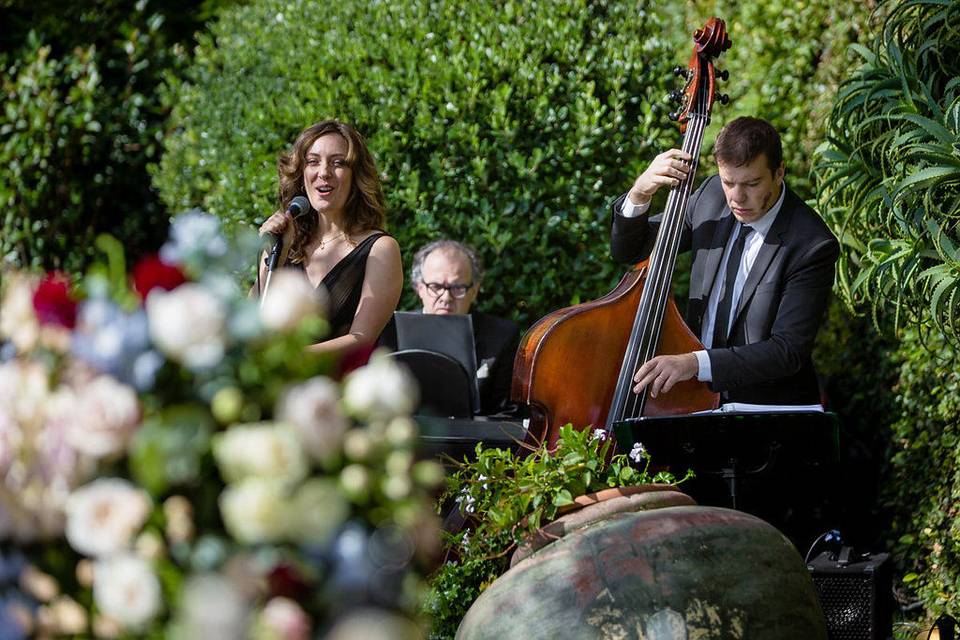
(718, 244)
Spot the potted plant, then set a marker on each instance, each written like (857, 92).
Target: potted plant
(511, 501)
(647, 561)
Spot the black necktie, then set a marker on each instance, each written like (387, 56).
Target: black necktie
(721, 319)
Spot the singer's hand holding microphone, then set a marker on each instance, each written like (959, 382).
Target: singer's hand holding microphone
(280, 228)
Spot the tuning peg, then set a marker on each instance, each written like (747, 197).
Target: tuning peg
(723, 75)
(680, 71)
(723, 98)
(675, 96)
(674, 115)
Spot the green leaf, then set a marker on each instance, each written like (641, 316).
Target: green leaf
(562, 498)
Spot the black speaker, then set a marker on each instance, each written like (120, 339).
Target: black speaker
(855, 593)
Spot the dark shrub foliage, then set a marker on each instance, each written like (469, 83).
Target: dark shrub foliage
(82, 118)
(889, 185)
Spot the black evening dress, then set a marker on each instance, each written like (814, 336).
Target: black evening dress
(343, 284)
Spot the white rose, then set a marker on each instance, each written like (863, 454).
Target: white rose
(126, 589)
(24, 390)
(380, 390)
(284, 618)
(289, 300)
(318, 510)
(9, 440)
(107, 414)
(187, 324)
(373, 624)
(263, 450)
(213, 608)
(9, 382)
(255, 510)
(104, 516)
(313, 409)
(18, 322)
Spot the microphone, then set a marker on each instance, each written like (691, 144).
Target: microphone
(297, 207)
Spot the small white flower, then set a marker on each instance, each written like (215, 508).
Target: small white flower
(313, 409)
(599, 434)
(187, 324)
(637, 452)
(126, 589)
(107, 414)
(289, 300)
(263, 450)
(256, 510)
(104, 516)
(380, 391)
(467, 502)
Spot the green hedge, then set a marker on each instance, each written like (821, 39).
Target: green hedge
(510, 125)
(81, 119)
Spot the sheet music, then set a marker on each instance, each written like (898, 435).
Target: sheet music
(745, 407)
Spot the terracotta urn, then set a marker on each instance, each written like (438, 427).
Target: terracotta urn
(647, 563)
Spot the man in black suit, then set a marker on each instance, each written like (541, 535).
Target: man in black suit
(446, 275)
(758, 313)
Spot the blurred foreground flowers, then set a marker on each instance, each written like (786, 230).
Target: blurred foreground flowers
(173, 463)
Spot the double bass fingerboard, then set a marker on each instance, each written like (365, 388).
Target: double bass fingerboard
(647, 326)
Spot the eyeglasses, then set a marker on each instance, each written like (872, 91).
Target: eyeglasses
(456, 290)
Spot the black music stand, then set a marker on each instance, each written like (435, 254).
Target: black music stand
(445, 386)
(458, 439)
(766, 454)
(450, 335)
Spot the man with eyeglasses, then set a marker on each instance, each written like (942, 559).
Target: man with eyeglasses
(446, 275)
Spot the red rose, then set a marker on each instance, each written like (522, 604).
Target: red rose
(152, 272)
(353, 358)
(286, 581)
(52, 302)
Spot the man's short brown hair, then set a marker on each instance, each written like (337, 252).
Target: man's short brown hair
(742, 140)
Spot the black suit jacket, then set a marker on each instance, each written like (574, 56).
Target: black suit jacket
(784, 297)
(495, 342)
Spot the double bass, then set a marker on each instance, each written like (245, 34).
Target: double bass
(576, 365)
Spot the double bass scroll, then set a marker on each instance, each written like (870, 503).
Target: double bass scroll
(576, 365)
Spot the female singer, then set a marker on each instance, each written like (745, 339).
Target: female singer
(340, 243)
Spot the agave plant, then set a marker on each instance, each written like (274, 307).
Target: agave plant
(888, 174)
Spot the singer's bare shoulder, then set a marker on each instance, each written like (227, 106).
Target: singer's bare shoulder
(386, 248)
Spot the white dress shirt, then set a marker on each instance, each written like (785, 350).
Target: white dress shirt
(752, 247)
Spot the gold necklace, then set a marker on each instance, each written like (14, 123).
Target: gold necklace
(325, 241)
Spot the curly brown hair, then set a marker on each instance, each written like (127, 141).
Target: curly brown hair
(365, 208)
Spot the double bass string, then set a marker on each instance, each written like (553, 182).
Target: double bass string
(645, 334)
(649, 323)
